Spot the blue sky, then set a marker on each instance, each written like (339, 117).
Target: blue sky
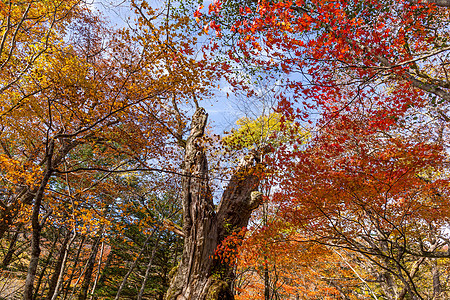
(224, 108)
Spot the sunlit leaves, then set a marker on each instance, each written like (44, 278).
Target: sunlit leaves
(271, 130)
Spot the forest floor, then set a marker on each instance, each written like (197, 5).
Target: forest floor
(10, 286)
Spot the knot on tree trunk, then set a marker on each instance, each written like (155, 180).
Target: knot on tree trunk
(256, 198)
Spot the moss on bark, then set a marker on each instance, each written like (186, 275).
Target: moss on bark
(219, 290)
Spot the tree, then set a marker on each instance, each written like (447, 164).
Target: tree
(343, 53)
(30, 30)
(373, 178)
(199, 274)
(381, 195)
(139, 238)
(84, 106)
(266, 132)
(88, 106)
(102, 102)
(297, 267)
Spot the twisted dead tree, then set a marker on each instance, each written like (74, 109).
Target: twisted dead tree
(199, 276)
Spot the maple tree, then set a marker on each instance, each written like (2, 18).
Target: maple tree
(377, 194)
(87, 110)
(373, 178)
(297, 268)
(370, 47)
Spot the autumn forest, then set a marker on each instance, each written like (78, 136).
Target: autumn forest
(119, 179)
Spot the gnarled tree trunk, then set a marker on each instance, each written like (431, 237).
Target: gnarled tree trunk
(199, 276)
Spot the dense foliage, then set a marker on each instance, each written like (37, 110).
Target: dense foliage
(337, 189)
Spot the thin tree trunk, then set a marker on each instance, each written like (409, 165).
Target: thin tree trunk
(59, 267)
(11, 249)
(133, 265)
(37, 227)
(199, 276)
(77, 257)
(44, 267)
(35, 252)
(266, 265)
(107, 263)
(266, 280)
(437, 287)
(98, 270)
(89, 269)
(149, 266)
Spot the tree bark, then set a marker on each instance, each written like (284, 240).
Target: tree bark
(437, 287)
(45, 266)
(90, 269)
(149, 267)
(37, 226)
(199, 276)
(99, 268)
(266, 280)
(133, 265)
(11, 249)
(35, 242)
(104, 273)
(73, 268)
(62, 256)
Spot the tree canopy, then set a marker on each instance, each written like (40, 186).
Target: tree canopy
(114, 185)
